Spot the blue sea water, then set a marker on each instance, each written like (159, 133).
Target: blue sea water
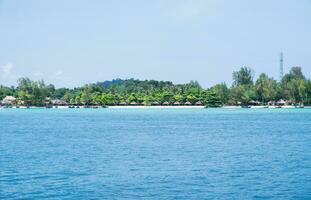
(155, 154)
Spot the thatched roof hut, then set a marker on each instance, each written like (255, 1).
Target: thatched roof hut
(281, 102)
(9, 100)
(20, 102)
(231, 103)
(123, 103)
(254, 103)
(271, 103)
(176, 103)
(188, 103)
(155, 103)
(198, 103)
(48, 101)
(59, 102)
(165, 103)
(133, 103)
(288, 102)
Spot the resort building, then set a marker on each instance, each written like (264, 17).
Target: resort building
(271, 103)
(254, 103)
(188, 103)
(9, 101)
(199, 103)
(123, 103)
(177, 103)
(133, 103)
(59, 102)
(281, 102)
(155, 103)
(165, 103)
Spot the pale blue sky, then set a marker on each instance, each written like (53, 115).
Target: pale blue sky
(72, 42)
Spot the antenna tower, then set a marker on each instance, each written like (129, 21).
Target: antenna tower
(281, 66)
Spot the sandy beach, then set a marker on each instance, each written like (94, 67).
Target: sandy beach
(159, 107)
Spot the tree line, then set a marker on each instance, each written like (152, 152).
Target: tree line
(294, 87)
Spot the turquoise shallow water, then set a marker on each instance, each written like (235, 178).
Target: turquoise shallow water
(155, 154)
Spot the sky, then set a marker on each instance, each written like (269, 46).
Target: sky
(74, 42)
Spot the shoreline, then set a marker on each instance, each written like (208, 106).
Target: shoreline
(159, 107)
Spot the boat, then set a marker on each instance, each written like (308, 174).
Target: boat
(299, 106)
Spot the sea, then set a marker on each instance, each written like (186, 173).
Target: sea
(155, 153)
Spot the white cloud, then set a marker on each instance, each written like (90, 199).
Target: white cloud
(7, 70)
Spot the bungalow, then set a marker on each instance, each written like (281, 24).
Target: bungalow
(133, 103)
(188, 103)
(48, 102)
(288, 102)
(59, 102)
(281, 102)
(254, 103)
(199, 103)
(165, 103)
(176, 103)
(9, 101)
(231, 103)
(20, 102)
(123, 103)
(271, 103)
(155, 103)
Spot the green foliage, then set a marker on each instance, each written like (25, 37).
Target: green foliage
(243, 94)
(178, 97)
(6, 91)
(222, 91)
(213, 101)
(32, 92)
(266, 89)
(86, 95)
(243, 77)
(294, 86)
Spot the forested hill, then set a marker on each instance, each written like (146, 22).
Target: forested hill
(295, 87)
(129, 86)
(114, 81)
